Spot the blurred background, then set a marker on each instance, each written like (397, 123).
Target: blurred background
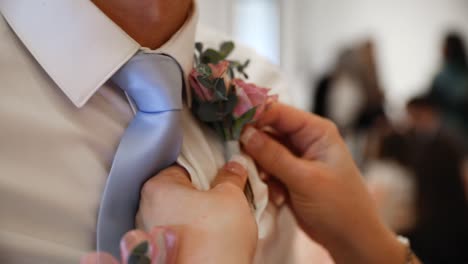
(393, 75)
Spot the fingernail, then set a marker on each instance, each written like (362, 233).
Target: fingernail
(279, 200)
(132, 245)
(165, 240)
(237, 165)
(162, 246)
(263, 175)
(251, 138)
(171, 246)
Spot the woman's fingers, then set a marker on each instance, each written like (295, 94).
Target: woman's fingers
(165, 239)
(274, 157)
(131, 247)
(277, 192)
(302, 128)
(98, 258)
(233, 172)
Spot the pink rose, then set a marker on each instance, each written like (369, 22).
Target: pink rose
(249, 96)
(201, 91)
(162, 245)
(220, 70)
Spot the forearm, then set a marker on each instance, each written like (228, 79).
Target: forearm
(378, 246)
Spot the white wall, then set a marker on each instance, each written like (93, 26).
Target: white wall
(217, 14)
(252, 22)
(408, 35)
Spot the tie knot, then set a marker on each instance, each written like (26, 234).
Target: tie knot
(153, 81)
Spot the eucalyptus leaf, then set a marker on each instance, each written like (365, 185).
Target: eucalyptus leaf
(207, 83)
(220, 89)
(133, 259)
(199, 47)
(218, 127)
(246, 63)
(231, 102)
(204, 69)
(211, 56)
(208, 112)
(139, 254)
(243, 120)
(235, 63)
(231, 73)
(141, 249)
(226, 48)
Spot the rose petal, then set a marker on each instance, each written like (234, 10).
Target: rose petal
(243, 102)
(201, 91)
(218, 70)
(255, 95)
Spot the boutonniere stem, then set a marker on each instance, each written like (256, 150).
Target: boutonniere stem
(223, 99)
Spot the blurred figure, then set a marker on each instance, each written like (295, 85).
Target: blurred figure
(450, 86)
(355, 75)
(440, 233)
(351, 96)
(391, 182)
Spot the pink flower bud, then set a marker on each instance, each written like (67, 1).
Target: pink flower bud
(249, 96)
(202, 92)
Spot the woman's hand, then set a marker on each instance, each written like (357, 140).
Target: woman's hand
(215, 226)
(325, 189)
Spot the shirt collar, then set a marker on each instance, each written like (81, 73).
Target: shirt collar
(79, 47)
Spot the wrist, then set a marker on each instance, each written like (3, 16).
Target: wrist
(375, 246)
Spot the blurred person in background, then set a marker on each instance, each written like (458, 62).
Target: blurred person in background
(416, 180)
(450, 86)
(391, 182)
(440, 233)
(351, 96)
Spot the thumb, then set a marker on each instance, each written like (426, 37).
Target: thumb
(234, 172)
(275, 158)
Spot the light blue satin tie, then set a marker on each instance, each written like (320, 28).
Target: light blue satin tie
(151, 143)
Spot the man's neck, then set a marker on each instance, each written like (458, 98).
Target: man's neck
(149, 22)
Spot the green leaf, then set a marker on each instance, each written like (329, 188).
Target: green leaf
(246, 64)
(204, 70)
(207, 83)
(235, 64)
(133, 259)
(231, 102)
(208, 112)
(138, 255)
(226, 48)
(211, 56)
(231, 73)
(199, 47)
(141, 249)
(242, 121)
(220, 89)
(219, 129)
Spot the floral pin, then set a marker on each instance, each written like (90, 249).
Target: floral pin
(223, 99)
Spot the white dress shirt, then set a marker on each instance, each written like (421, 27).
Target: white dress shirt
(61, 122)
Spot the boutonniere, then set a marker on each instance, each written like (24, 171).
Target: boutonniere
(222, 97)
